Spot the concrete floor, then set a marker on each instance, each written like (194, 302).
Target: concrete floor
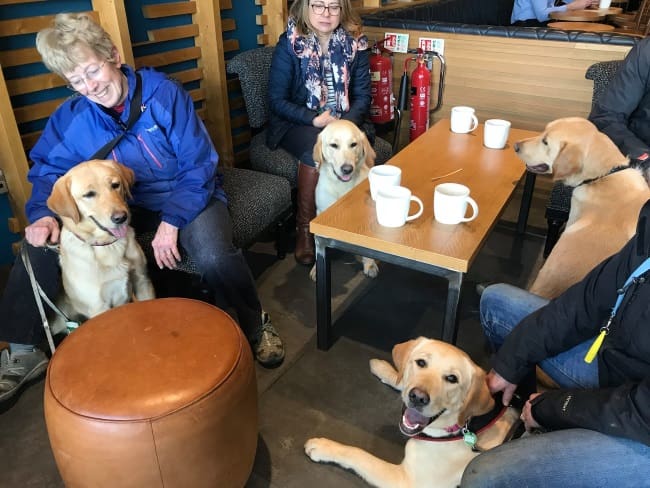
(316, 393)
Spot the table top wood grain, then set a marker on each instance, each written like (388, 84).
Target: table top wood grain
(581, 26)
(491, 175)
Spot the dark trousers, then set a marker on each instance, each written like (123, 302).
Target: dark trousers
(207, 240)
(299, 141)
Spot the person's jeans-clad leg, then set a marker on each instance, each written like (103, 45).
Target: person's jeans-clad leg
(566, 458)
(504, 306)
(208, 241)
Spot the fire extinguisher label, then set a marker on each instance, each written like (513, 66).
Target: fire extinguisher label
(375, 76)
(431, 44)
(396, 42)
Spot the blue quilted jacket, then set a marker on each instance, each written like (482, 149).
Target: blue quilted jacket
(168, 148)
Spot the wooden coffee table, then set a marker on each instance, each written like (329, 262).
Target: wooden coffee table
(422, 244)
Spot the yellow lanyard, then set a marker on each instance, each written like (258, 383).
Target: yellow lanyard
(604, 330)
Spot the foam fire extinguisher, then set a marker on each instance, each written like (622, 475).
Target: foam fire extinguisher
(418, 101)
(382, 106)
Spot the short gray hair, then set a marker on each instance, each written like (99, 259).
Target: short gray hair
(59, 45)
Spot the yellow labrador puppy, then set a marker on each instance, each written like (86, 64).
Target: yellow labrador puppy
(344, 157)
(102, 265)
(607, 197)
(444, 392)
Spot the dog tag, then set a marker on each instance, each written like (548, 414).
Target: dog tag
(469, 438)
(70, 325)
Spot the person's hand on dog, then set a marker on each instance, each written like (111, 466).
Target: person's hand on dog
(496, 383)
(44, 230)
(164, 245)
(527, 414)
(321, 120)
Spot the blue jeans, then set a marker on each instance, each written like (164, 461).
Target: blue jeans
(504, 306)
(567, 458)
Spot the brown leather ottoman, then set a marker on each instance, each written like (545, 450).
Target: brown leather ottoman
(152, 394)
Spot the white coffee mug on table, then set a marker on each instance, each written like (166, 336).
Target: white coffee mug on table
(495, 133)
(450, 203)
(383, 175)
(605, 3)
(393, 205)
(463, 120)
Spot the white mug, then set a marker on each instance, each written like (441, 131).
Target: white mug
(495, 133)
(463, 120)
(450, 203)
(383, 175)
(393, 204)
(604, 3)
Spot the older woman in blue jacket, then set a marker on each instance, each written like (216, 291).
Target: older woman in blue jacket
(319, 73)
(177, 191)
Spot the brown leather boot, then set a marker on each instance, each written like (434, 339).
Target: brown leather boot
(307, 179)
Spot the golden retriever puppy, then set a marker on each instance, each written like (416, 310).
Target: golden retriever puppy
(607, 197)
(444, 392)
(102, 265)
(343, 156)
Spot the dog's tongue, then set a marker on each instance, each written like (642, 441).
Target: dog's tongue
(413, 421)
(120, 231)
(345, 177)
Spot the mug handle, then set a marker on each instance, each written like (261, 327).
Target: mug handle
(475, 121)
(474, 206)
(419, 212)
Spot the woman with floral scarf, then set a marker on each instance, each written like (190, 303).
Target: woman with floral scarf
(320, 72)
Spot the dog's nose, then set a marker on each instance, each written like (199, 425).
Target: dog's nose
(516, 147)
(418, 397)
(118, 218)
(346, 169)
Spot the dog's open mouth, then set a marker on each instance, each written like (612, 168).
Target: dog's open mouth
(540, 168)
(342, 177)
(413, 422)
(118, 231)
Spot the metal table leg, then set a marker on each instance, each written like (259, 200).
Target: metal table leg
(526, 199)
(323, 294)
(450, 321)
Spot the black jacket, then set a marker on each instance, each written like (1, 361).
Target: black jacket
(288, 94)
(621, 406)
(623, 111)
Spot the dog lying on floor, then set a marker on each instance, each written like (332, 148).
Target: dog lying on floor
(443, 392)
(607, 197)
(344, 157)
(102, 265)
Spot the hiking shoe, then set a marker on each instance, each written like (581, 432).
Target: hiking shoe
(267, 345)
(18, 369)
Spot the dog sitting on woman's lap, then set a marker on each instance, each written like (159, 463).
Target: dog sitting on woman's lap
(344, 157)
(102, 265)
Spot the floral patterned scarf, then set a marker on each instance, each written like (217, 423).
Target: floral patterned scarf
(342, 50)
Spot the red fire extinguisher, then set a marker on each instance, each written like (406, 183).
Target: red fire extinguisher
(420, 91)
(382, 106)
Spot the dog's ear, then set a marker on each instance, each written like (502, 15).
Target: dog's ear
(61, 202)
(368, 152)
(478, 399)
(568, 161)
(401, 353)
(318, 151)
(127, 176)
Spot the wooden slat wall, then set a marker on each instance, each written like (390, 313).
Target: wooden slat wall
(212, 95)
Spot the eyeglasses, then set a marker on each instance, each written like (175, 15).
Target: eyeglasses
(92, 73)
(319, 9)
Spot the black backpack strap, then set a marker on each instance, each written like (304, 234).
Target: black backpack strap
(134, 114)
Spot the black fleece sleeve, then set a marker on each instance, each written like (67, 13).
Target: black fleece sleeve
(623, 411)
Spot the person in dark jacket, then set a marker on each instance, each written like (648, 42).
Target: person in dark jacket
(177, 193)
(623, 111)
(599, 417)
(320, 72)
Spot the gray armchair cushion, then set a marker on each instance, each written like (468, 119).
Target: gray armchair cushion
(252, 67)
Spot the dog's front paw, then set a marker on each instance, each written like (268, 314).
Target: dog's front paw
(320, 449)
(384, 371)
(370, 268)
(312, 273)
